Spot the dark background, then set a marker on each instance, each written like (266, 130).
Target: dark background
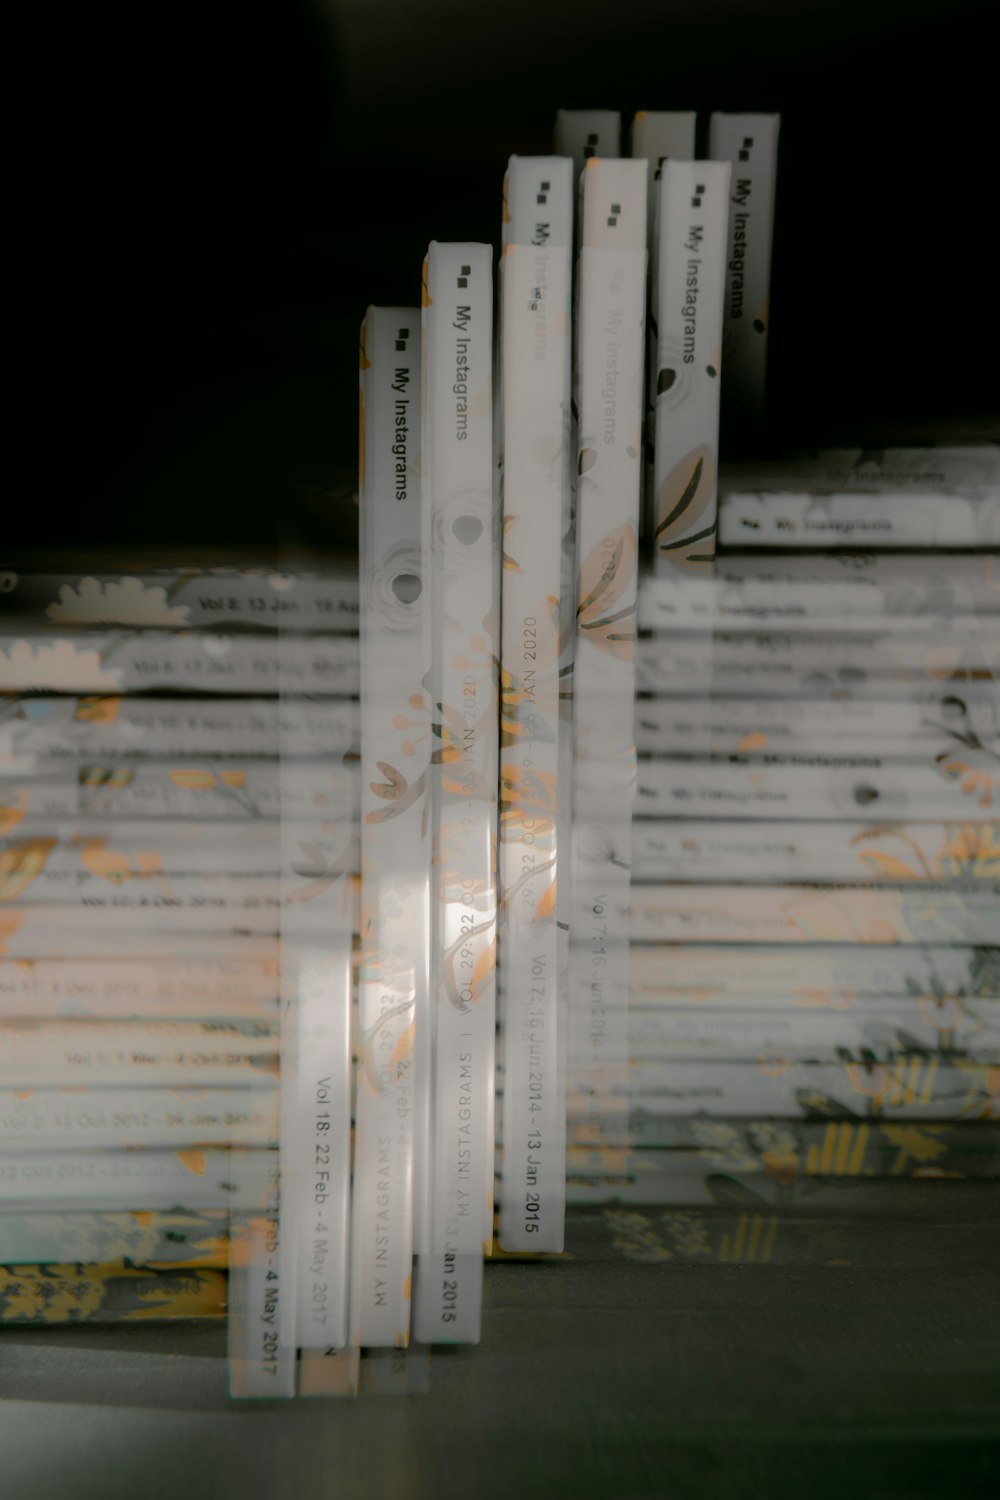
(208, 194)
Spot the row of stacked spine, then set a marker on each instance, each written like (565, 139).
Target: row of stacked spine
(552, 858)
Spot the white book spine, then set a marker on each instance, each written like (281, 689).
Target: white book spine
(929, 724)
(137, 1180)
(690, 276)
(64, 1054)
(876, 583)
(881, 1031)
(461, 518)
(241, 790)
(819, 604)
(845, 519)
(396, 747)
(50, 729)
(316, 1153)
(116, 921)
(815, 914)
(783, 790)
(155, 660)
(53, 989)
(914, 1087)
(150, 850)
(612, 282)
(876, 668)
(750, 144)
(193, 599)
(166, 1118)
(536, 276)
(820, 973)
(923, 853)
(914, 470)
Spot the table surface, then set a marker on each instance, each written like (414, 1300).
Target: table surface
(595, 1377)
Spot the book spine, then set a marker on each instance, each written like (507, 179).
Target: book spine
(912, 1087)
(111, 1292)
(820, 973)
(114, 940)
(189, 1179)
(585, 133)
(461, 518)
(765, 596)
(315, 1138)
(842, 1146)
(150, 789)
(698, 1183)
(393, 1044)
(536, 269)
(781, 788)
(155, 851)
(107, 988)
(921, 853)
(756, 1235)
(870, 582)
(164, 1241)
(690, 275)
(612, 282)
(119, 1116)
(52, 729)
(61, 1054)
(809, 665)
(937, 521)
(87, 888)
(749, 143)
(240, 927)
(936, 719)
(798, 914)
(172, 600)
(656, 136)
(262, 1357)
(111, 662)
(881, 1031)
(914, 470)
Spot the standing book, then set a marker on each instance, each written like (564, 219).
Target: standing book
(612, 283)
(462, 541)
(393, 996)
(536, 272)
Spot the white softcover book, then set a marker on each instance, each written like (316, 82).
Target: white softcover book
(392, 1038)
(612, 282)
(536, 274)
(461, 529)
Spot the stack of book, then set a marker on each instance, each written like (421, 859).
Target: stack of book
(177, 771)
(620, 833)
